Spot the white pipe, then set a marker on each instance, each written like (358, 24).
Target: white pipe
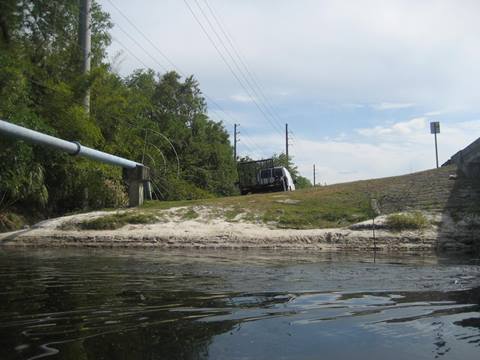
(72, 148)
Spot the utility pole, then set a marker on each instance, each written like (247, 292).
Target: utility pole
(235, 140)
(314, 174)
(286, 141)
(85, 45)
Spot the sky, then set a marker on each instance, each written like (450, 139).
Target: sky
(358, 82)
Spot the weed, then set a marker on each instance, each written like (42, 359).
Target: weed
(10, 221)
(231, 214)
(190, 214)
(408, 221)
(116, 221)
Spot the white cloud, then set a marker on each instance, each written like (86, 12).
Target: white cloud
(370, 54)
(367, 52)
(392, 106)
(399, 128)
(407, 147)
(435, 113)
(242, 98)
(353, 106)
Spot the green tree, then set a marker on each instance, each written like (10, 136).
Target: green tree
(302, 182)
(159, 119)
(281, 160)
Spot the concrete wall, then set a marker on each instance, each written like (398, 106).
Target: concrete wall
(468, 160)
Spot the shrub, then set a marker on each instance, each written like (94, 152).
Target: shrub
(10, 222)
(116, 221)
(409, 221)
(190, 214)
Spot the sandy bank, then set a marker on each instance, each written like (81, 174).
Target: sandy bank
(219, 233)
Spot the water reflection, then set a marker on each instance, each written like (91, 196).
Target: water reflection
(184, 305)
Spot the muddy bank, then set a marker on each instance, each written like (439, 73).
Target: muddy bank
(175, 232)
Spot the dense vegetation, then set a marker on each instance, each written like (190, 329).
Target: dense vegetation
(158, 119)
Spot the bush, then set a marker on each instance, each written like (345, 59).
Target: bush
(409, 221)
(180, 189)
(11, 222)
(116, 221)
(90, 186)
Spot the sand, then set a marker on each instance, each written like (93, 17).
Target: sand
(205, 232)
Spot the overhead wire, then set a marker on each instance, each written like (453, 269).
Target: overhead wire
(250, 78)
(229, 66)
(175, 66)
(211, 100)
(130, 52)
(248, 144)
(254, 79)
(143, 35)
(251, 74)
(257, 97)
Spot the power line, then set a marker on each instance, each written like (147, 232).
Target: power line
(127, 49)
(222, 56)
(143, 35)
(131, 53)
(210, 99)
(141, 47)
(235, 63)
(257, 149)
(254, 79)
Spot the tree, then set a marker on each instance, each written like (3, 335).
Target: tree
(281, 160)
(159, 119)
(302, 182)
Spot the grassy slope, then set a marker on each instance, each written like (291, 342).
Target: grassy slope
(336, 205)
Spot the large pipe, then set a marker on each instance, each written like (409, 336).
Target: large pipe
(72, 148)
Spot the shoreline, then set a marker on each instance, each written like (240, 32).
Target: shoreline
(221, 234)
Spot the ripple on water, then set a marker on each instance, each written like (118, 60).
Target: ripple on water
(174, 305)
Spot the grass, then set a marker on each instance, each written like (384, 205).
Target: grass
(328, 206)
(189, 214)
(320, 207)
(232, 213)
(409, 221)
(314, 208)
(116, 221)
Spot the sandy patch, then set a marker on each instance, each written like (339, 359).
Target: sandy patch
(209, 230)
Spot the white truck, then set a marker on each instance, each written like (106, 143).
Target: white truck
(261, 176)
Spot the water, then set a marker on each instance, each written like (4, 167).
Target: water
(191, 304)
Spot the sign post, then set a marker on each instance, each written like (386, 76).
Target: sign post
(435, 129)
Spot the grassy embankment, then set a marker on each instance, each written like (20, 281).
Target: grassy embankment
(320, 207)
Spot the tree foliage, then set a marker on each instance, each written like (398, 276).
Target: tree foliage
(158, 119)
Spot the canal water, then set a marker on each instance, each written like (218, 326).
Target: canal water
(192, 304)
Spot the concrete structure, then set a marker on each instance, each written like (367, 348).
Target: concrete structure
(138, 180)
(468, 160)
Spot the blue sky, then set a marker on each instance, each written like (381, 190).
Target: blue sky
(357, 81)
